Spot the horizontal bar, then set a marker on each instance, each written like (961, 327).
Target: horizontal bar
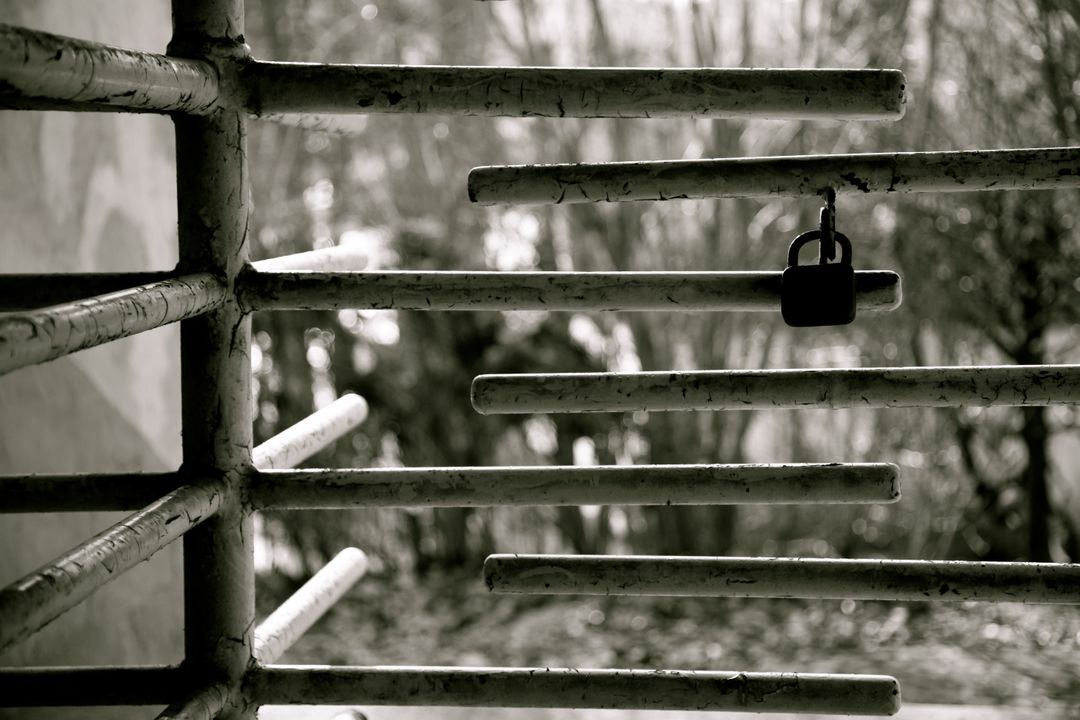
(30, 603)
(289, 88)
(83, 493)
(339, 257)
(37, 336)
(573, 688)
(43, 71)
(890, 580)
(631, 291)
(87, 686)
(578, 485)
(793, 175)
(891, 387)
(295, 444)
(206, 703)
(285, 625)
(37, 290)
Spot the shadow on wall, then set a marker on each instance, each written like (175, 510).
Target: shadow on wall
(90, 192)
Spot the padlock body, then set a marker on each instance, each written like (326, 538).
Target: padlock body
(818, 295)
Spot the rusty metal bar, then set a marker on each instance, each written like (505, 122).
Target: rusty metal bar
(981, 386)
(337, 258)
(32, 291)
(33, 601)
(285, 625)
(213, 212)
(82, 493)
(597, 485)
(797, 175)
(402, 290)
(573, 688)
(206, 703)
(293, 445)
(36, 336)
(39, 71)
(890, 580)
(86, 686)
(289, 88)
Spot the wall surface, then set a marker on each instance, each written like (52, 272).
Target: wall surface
(92, 192)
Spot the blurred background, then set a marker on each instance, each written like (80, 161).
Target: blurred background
(988, 278)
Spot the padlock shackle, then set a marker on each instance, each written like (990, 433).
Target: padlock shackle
(810, 236)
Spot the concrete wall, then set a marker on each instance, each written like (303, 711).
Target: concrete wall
(85, 192)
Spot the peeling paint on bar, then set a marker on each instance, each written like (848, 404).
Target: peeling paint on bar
(30, 603)
(87, 686)
(574, 688)
(452, 290)
(37, 336)
(890, 580)
(292, 446)
(285, 625)
(82, 493)
(891, 387)
(796, 175)
(37, 290)
(597, 485)
(289, 88)
(43, 71)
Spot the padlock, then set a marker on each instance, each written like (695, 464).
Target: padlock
(822, 294)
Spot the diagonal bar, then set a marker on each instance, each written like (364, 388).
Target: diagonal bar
(82, 493)
(32, 291)
(41, 71)
(285, 625)
(981, 386)
(30, 603)
(276, 89)
(631, 291)
(573, 688)
(206, 703)
(37, 336)
(598, 485)
(86, 686)
(891, 580)
(797, 175)
(295, 444)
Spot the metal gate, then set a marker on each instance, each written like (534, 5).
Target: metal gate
(211, 86)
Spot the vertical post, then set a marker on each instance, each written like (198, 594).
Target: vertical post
(212, 192)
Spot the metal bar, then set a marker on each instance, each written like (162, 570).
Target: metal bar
(206, 703)
(289, 88)
(37, 336)
(688, 291)
(890, 580)
(213, 213)
(82, 493)
(980, 386)
(293, 445)
(86, 686)
(32, 291)
(795, 175)
(573, 688)
(339, 257)
(33, 601)
(285, 625)
(598, 485)
(43, 71)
